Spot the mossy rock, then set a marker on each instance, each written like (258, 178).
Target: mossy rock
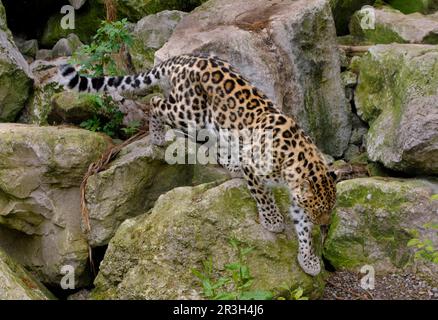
(372, 222)
(72, 107)
(392, 26)
(152, 255)
(15, 79)
(41, 171)
(411, 6)
(17, 284)
(343, 10)
(87, 20)
(396, 96)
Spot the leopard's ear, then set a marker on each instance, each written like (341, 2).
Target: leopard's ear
(333, 175)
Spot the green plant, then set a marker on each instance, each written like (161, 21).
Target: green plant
(132, 128)
(236, 284)
(108, 118)
(425, 249)
(98, 56)
(291, 294)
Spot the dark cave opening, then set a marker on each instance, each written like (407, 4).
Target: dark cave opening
(28, 18)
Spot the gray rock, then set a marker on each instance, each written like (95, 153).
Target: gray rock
(403, 118)
(17, 284)
(285, 48)
(393, 26)
(150, 34)
(372, 225)
(44, 54)
(129, 187)
(40, 174)
(66, 46)
(15, 78)
(77, 4)
(151, 256)
(27, 48)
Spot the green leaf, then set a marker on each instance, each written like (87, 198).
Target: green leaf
(413, 242)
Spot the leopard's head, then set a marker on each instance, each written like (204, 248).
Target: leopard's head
(317, 196)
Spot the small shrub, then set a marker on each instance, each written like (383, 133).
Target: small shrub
(425, 249)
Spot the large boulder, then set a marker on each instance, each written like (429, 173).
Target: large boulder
(373, 220)
(134, 10)
(17, 284)
(129, 187)
(343, 10)
(15, 77)
(393, 26)
(151, 256)
(150, 34)
(397, 96)
(41, 169)
(285, 48)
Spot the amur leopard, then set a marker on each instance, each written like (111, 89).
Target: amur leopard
(209, 93)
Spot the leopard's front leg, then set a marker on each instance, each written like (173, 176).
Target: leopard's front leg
(269, 215)
(307, 259)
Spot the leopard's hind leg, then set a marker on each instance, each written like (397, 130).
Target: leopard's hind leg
(156, 123)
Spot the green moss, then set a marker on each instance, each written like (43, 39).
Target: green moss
(411, 6)
(367, 225)
(434, 197)
(27, 286)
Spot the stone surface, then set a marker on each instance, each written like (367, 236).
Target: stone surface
(285, 48)
(39, 105)
(71, 107)
(77, 4)
(151, 256)
(343, 10)
(66, 46)
(135, 10)
(17, 284)
(44, 54)
(15, 77)
(397, 96)
(393, 26)
(150, 34)
(372, 222)
(129, 187)
(27, 48)
(41, 169)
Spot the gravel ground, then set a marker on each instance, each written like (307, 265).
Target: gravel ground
(345, 285)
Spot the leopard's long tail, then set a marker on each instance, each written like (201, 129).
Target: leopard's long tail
(71, 79)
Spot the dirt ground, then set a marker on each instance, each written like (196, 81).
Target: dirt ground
(345, 285)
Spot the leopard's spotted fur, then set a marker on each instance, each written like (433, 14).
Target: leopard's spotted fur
(209, 93)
